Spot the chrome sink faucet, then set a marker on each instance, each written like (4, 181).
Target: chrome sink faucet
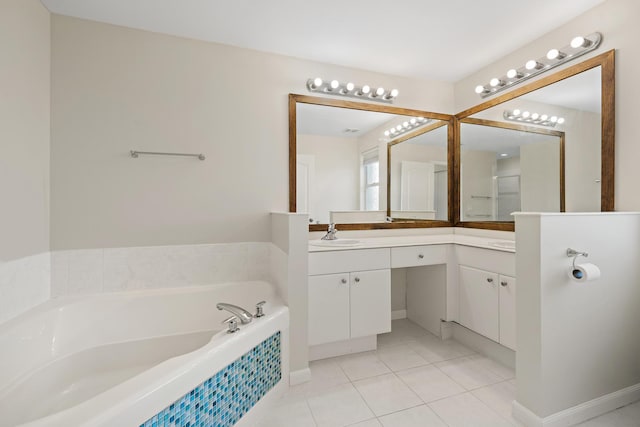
(243, 315)
(331, 233)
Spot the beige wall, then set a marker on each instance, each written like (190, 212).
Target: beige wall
(115, 89)
(617, 20)
(337, 174)
(24, 128)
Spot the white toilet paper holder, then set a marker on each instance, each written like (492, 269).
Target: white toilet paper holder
(572, 253)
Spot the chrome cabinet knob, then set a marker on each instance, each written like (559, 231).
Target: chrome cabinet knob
(357, 280)
(489, 279)
(503, 283)
(421, 256)
(343, 281)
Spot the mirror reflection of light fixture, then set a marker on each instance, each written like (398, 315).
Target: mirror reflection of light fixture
(406, 126)
(554, 57)
(533, 118)
(334, 87)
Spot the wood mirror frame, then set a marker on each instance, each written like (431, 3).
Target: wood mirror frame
(607, 196)
(295, 99)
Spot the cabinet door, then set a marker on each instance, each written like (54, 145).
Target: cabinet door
(370, 303)
(508, 311)
(328, 308)
(479, 300)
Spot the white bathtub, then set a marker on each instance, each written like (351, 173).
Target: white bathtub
(119, 359)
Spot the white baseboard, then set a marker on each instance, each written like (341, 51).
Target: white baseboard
(339, 348)
(578, 413)
(398, 314)
(300, 376)
(484, 345)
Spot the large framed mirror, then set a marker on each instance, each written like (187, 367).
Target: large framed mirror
(340, 170)
(547, 146)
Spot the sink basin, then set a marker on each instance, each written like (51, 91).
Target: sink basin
(504, 244)
(335, 243)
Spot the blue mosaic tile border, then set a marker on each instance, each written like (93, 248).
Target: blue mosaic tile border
(224, 398)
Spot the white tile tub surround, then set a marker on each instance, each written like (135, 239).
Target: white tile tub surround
(24, 283)
(90, 271)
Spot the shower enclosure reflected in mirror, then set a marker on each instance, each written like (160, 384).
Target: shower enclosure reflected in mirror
(562, 158)
(338, 165)
(509, 168)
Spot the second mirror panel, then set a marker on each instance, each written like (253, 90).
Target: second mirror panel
(418, 178)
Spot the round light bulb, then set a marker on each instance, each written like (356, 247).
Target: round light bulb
(421, 119)
(516, 112)
(405, 124)
(560, 120)
(386, 133)
(553, 54)
(413, 121)
(530, 65)
(535, 116)
(526, 114)
(512, 73)
(317, 82)
(380, 91)
(335, 84)
(392, 130)
(399, 128)
(350, 86)
(394, 93)
(479, 89)
(495, 82)
(544, 117)
(553, 119)
(579, 41)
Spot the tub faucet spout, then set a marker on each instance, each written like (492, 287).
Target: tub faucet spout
(242, 314)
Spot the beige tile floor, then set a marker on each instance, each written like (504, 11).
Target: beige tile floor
(413, 379)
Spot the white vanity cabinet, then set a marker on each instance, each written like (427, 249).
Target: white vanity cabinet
(487, 287)
(479, 301)
(349, 295)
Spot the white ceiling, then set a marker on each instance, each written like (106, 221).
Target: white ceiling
(433, 39)
(330, 121)
(501, 141)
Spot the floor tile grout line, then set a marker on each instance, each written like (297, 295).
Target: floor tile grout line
(313, 418)
(485, 404)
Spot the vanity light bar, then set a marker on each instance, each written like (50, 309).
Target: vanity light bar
(406, 126)
(555, 57)
(334, 87)
(533, 118)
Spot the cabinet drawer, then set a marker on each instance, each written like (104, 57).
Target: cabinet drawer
(486, 259)
(415, 256)
(349, 260)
